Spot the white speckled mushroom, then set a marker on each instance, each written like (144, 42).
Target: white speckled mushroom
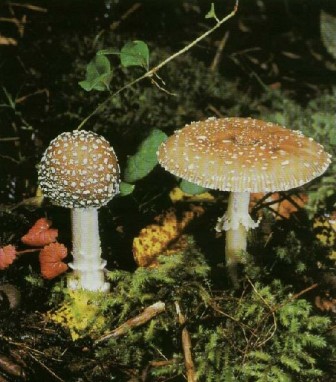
(79, 170)
(242, 155)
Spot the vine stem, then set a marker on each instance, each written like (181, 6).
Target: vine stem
(152, 71)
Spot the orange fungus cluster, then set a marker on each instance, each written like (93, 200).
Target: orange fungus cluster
(51, 255)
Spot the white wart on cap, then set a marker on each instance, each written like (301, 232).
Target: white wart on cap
(243, 155)
(79, 169)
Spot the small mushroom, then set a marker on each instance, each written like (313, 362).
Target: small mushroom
(79, 170)
(241, 155)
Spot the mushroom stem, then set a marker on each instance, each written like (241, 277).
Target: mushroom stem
(86, 251)
(236, 221)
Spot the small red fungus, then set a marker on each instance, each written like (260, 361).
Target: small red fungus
(40, 234)
(42, 224)
(51, 257)
(7, 256)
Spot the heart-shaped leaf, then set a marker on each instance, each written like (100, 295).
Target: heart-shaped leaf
(135, 53)
(98, 74)
(144, 160)
(126, 188)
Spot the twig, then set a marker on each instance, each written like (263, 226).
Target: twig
(20, 24)
(29, 349)
(273, 327)
(299, 294)
(10, 158)
(9, 139)
(45, 367)
(152, 71)
(186, 345)
(37, 92)
(219, 51)
(10, 367)
(283, 196)
(154, 364)
(161, 363)
(124, 16)
(140, 319)
(29, 6)
(259, 204)
(215, 111)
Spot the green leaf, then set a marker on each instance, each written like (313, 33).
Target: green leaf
(126, 188)
(191, 188)
(98, 74)
(144, 160)
(135, 53)
(212, 13)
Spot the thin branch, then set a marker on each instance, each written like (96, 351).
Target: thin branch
(9, 139)
(219, 51)
(273, 327)
(29, 6)
(186, 345)
(124, 16)
(152, 71)
(46, 368)
(37, 92)
(299, 294)
(145, 316)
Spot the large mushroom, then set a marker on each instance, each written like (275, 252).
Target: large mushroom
(79, 170)
(241, 155)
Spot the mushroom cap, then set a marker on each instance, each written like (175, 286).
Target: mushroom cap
(79, 169)
(242, 155)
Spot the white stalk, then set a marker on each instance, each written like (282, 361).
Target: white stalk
(236, 221)
(88, 267)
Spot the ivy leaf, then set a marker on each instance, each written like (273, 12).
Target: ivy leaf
(135, 53)
(144, 160)
(98, 74)
(191, 188)
(212, 13)
(126, 188)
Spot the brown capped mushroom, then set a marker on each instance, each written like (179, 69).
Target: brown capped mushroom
(79, 170)
(242, 155)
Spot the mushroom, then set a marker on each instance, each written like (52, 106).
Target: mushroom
(241, 155)
(79, 170)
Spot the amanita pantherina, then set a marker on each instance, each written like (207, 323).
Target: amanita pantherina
(241, 155)
(79, 170)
